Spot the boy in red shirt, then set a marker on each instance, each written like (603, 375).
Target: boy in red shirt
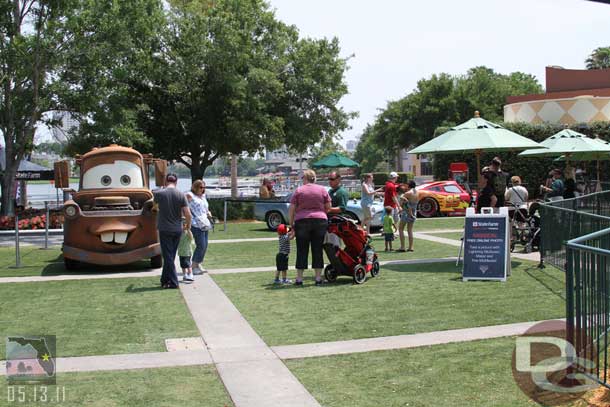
(390, 195)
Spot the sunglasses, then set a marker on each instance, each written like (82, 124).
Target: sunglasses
(333, 179)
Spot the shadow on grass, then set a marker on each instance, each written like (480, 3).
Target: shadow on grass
(535, 273)
(56, 267)
(309, 283)
(130, 289)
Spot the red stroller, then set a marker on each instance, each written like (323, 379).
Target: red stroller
(356, 259)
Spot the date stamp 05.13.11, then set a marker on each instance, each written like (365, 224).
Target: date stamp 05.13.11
(31, 370)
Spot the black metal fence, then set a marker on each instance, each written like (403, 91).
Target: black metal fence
(588, 301)
(568, 219)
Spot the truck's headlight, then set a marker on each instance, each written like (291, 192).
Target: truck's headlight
(70, 211)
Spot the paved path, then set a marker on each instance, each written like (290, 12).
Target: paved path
(129, 361)
(400, 341)
(251, 372)
(251, 348)
(157, 272)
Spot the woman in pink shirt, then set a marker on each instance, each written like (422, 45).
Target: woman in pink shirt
(307, 213)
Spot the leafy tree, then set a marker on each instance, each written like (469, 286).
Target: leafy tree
(110, 46)
(30, 48)
(443, 101)
(484, 90)
(599, 58)
(369, 154)
(230, 78)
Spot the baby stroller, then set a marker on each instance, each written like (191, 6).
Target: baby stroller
(356, 259)
(525, 228)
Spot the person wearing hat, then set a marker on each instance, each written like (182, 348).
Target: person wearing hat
(171, 205)
(557, 188)
(390, 195)
(281, 259)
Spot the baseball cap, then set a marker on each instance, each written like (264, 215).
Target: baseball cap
(393, 174)
(281, 229)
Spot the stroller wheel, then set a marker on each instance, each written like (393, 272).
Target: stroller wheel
(512, 246)
(330, 274)
(359, 274)
(375, 269)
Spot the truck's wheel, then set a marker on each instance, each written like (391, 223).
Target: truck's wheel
(71, 264)
(156, 262)
(274, 219)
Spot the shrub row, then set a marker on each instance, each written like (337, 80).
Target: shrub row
(235, 210)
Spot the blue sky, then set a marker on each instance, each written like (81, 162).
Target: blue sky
(398, 42)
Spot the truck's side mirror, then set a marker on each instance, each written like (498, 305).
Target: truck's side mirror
(160, 172)
(62, 174)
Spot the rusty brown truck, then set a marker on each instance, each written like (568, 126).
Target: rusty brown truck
(110, 219)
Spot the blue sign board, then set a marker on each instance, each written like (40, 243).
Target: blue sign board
(486, 243)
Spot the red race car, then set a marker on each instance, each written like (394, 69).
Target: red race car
(442, 197)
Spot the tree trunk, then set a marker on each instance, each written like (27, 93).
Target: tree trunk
(197, 170)
(8, 190)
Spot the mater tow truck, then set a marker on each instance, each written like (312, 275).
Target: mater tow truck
(109, 220)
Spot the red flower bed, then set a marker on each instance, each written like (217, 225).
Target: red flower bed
(32, 219)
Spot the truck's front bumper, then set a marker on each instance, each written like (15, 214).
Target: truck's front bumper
(111, 259)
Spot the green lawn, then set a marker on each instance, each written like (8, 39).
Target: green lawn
(249, 230)
(37, 262)
(179, 386)
(258, 254)
(466, 374)
(404, 299)
(450, 235)
(96, 317)
(423, 224)
(243, 230)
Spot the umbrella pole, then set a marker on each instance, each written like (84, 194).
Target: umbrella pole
(478, 154)
(598, 187)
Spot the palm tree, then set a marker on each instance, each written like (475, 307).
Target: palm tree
(599, 59)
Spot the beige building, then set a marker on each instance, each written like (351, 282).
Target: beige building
(572, 96)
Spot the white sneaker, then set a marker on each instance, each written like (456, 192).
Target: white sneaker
(189, 277)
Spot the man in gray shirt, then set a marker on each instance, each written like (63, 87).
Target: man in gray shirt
(172, 205)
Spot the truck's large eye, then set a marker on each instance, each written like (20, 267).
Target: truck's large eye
(106, 180)
(125, 180)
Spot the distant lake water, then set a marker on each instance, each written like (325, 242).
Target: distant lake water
(38, 193)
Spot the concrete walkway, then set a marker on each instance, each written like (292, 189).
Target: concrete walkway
(400, 341)
(251, 349)
(128, 361)
(252, 373)
(157, 272)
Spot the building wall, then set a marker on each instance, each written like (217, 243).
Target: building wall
(417, 164)
(580, 109)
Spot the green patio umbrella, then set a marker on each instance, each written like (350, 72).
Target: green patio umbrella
(569, 143)
(477, 135)
(335, 160)
(601, 152)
